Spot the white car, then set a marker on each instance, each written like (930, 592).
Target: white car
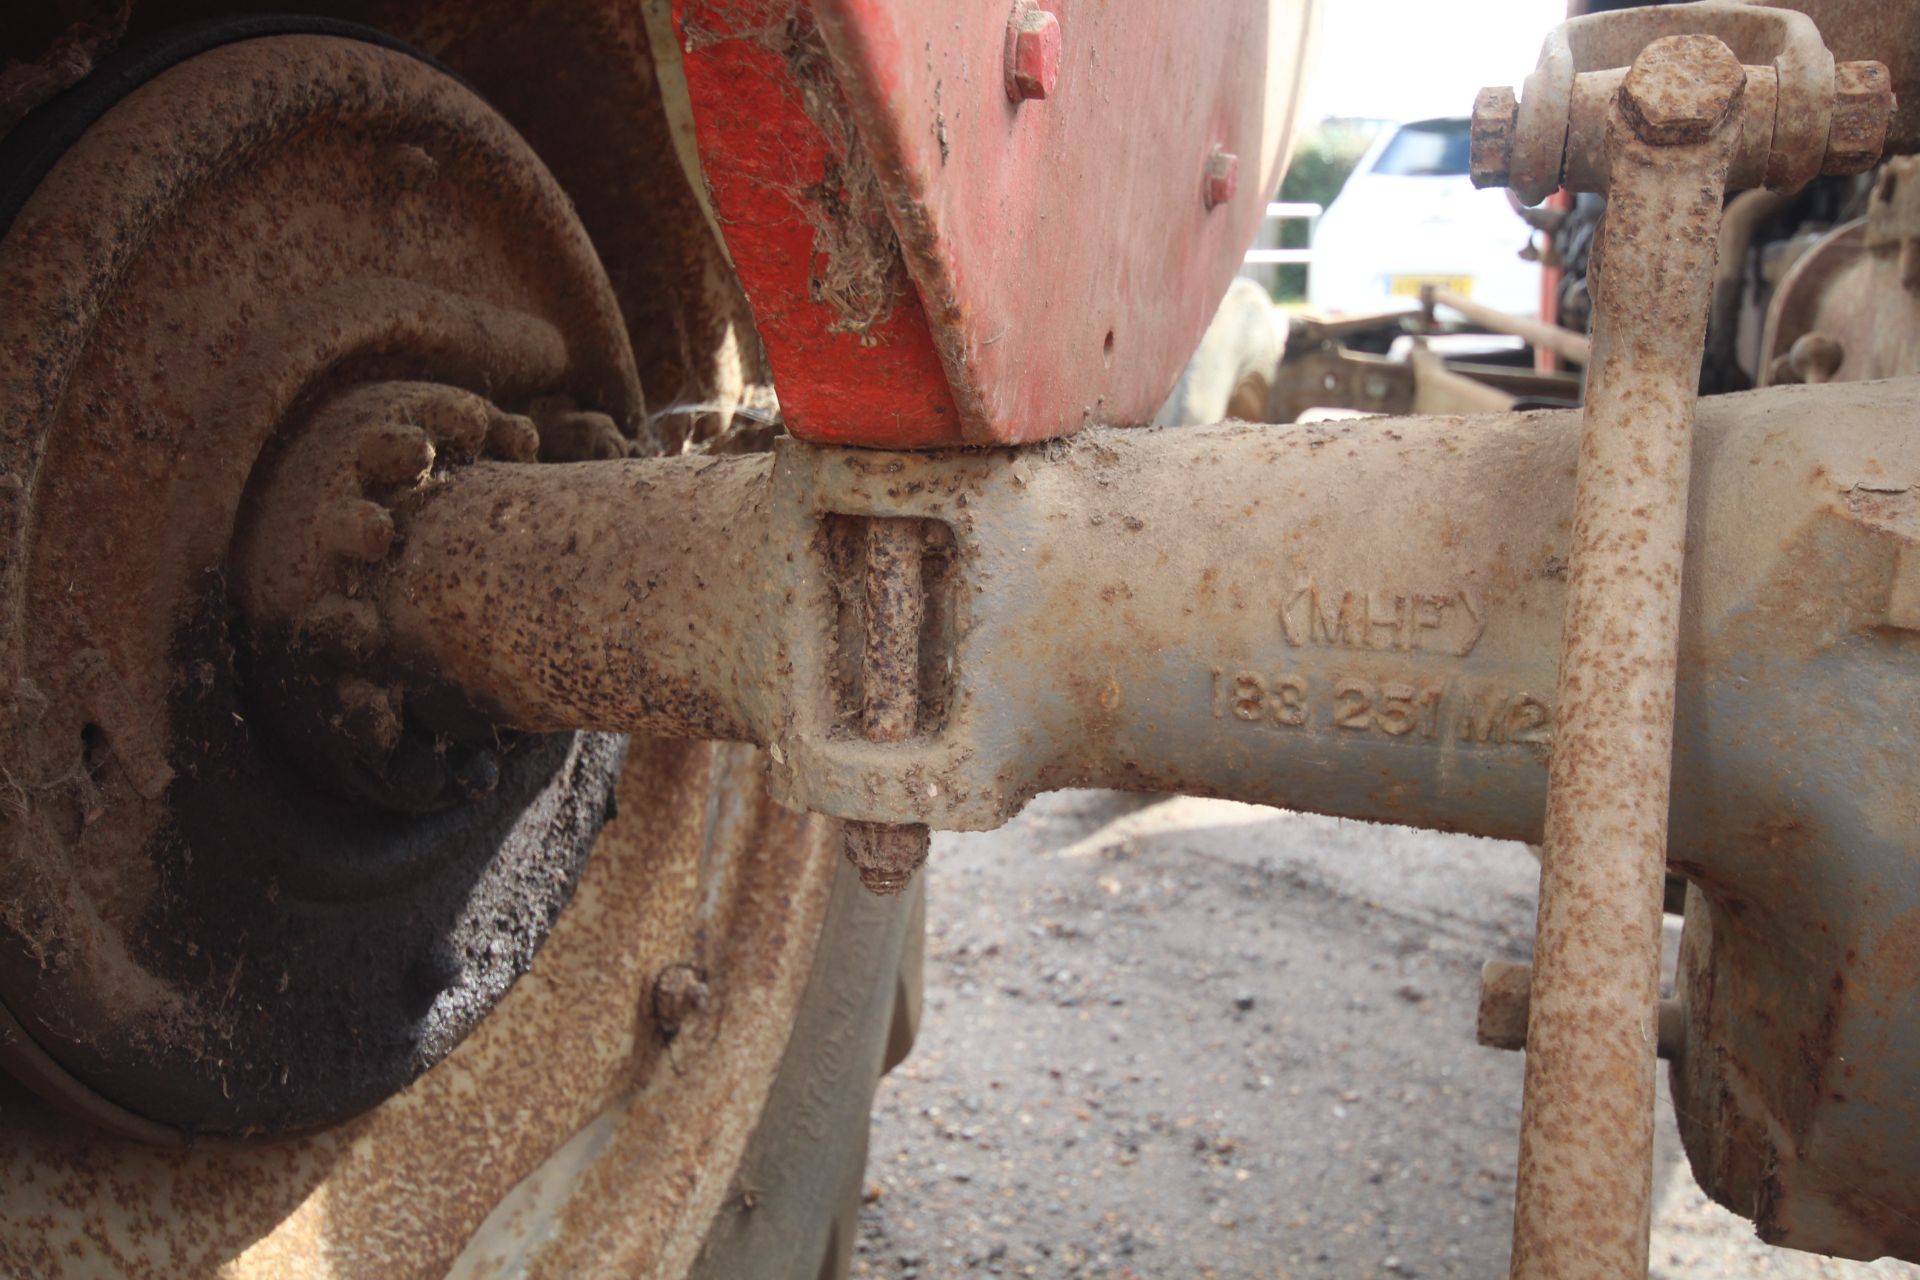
(1409, 216)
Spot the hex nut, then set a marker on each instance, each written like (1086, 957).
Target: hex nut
(1506, 991)
(1680, 88)
(358, 529)
(1862, 110)
(394, 453)
(1496, 113)
(1222, 177)
(886, 853)
(680, 992)
(1033, 52)
(1815, 357)
(512, 437)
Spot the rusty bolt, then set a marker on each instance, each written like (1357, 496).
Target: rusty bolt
(358, 529)
(1680, 88)
(370, 717)
(680, 992)
(1033, 52)
(1815, 357)
(1223, 176)
(886, 853)
(1496, 113)
(1862, 110)
(512, 437)
(394, 453)
(1506, 1006)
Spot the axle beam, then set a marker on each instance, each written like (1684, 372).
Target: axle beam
(1359, 618)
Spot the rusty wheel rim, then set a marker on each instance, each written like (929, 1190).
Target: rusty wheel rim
(239, 242)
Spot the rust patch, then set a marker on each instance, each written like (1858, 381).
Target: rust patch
(48, 48)
(1862, 113)
(1679, 88)
(1586, 1128)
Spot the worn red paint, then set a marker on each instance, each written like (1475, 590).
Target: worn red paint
(1033, 52)
(1066, 258)
(1062, 257)
(775, 176)
(1223, 177)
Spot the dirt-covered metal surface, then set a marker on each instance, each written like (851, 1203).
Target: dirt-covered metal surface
(1849, 309)
(637, 189)
(1226, 611)
(571, 1079)
(1584, 1192)
(1887, 31)
(1805, 118)
(893, 618)
(193, 928)
(795, 187)
(1665, 138)
(1294, 580)
(914, 236)
(1358, 620)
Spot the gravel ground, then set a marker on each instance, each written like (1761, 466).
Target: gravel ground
(1196, 1038)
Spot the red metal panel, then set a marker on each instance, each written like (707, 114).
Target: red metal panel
(777, 147)
(1065, 251)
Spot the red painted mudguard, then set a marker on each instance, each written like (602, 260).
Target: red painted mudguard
(932, 262)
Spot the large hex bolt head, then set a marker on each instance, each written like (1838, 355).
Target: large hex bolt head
(1680, 88)
(1496, 113)
(1033, 52)
(886, 853)
(1862, 110)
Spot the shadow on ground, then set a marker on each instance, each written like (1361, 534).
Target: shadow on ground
(1195, 1038)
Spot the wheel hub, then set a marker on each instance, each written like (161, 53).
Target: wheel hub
(253, 877)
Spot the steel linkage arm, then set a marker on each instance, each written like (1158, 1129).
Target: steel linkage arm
(1660, 140)
(1583, 1200)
